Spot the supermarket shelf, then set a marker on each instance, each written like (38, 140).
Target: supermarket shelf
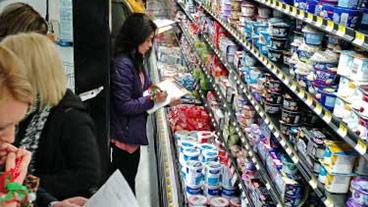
(219, 132)
(166, 159)
(357, 38)
(290, 150)
(182, 7)
(265, 178)
(333, 122)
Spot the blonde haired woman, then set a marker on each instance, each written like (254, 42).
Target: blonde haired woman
(59, 131)
(15, 98)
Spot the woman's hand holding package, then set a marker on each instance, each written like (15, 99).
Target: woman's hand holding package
(157, 95)
(10, 155)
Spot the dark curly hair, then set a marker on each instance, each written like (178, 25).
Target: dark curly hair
(135, 30)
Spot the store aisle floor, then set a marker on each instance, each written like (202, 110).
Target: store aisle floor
(143, 181)
(146, 180)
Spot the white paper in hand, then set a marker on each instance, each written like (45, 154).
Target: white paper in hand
(174, 91)
(114, 193)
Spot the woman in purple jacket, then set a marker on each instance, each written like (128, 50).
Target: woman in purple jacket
(128, 105)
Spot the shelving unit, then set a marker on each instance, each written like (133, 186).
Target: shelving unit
(170, 185)
(264, 176)
(220, 134)
(273, 126)
(348, 34)
(333, 122)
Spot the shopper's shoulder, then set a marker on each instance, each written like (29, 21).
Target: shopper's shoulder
(123, 59)
(72, 107)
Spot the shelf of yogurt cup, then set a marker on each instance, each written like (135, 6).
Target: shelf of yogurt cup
(244, 139)
(234, 170)
(300, 162)
(264, 176)
(325, 23)
(259, 166)
(185, 10)
(305, 170)
(322, 111)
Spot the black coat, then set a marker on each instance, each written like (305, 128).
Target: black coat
(67, 159)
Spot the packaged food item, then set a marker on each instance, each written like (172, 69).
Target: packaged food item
(197, 201)
(339, 157)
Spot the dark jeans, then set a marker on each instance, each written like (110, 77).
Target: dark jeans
(126, 163)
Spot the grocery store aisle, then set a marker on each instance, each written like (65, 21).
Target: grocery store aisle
(146, 180)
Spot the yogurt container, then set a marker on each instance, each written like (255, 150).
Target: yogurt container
(359, 191)
(339, 157)
(248, 10)
(235, 202)
(345, 62)
(228, 192)
(272, 108)
(364, 19)
(359, 68)
(226, 177)
(312, 36)
(326, 97)
(272, 97)
(275, 55)
(213, 173)
(362, 167)
(352, 4)
(311, 5)
(212, 191)
(194, 175)
(326, 60)
(327, 11)
(277, 43)
(205, 136)
(346, 16)
(191, 154)
(351, 203)
(219, 202)
(210, 155)
(301, 4)
(279, 29)
(193, 189)
(197, 201)
(290, 117)
(324, 78)
(290, 103)
(264, 12)
(337, 183)
(342, 108)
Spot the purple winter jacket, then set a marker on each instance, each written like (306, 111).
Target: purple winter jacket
(128, 116)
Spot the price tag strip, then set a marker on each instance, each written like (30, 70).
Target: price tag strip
(359, 38)
(318, 109)
(330, 25)
(343, 130)
(341, 30)
(361, 147)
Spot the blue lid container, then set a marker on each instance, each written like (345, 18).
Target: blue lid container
(301, 4)
(352, 4)
(364, 19)
(327, 11)
(346, 16)
(290, 2)
(311, 5)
